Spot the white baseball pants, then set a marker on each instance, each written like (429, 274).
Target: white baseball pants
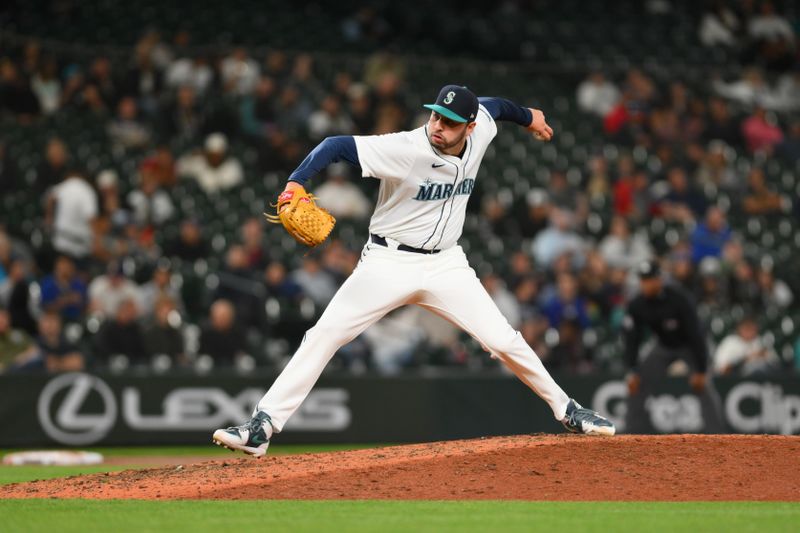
(385, 279)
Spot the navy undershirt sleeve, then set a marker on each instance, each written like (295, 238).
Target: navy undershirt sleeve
(331, 150)
(503, 109)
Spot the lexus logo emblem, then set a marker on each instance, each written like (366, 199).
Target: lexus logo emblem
(61, 415)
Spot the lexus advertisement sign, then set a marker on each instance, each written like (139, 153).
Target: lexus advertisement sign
(79, 409)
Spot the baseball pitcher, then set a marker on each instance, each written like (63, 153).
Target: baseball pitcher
(412, 255)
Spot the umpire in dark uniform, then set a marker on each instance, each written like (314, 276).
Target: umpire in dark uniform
(670, 316)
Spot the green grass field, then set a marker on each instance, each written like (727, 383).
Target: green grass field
(197, 516)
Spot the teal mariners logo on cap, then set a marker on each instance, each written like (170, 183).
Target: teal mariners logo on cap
(456, 103)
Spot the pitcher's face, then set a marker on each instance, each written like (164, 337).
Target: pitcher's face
(445, 134)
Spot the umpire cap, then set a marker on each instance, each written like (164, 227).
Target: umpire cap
(456, 103)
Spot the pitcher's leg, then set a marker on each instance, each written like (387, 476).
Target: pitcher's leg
(460, 298)
(363, 299)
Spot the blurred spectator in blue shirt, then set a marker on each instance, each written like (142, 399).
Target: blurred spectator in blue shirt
(566, 303)
(63, 292)
(710, 236)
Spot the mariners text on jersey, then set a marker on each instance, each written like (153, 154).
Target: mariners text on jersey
(442, 191)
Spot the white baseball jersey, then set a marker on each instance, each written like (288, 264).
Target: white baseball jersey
(423, 194)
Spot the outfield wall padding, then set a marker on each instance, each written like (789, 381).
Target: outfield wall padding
(82, 409)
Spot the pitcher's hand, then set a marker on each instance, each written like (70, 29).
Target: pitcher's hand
(538, 126)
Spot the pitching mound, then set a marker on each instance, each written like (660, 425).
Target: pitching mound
(676, 468)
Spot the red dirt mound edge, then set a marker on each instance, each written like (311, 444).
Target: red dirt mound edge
(538, 467)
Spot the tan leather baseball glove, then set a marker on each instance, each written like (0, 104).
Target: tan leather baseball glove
(308, 223)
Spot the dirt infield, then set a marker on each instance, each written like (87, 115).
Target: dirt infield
(665, 468)
(159, 460)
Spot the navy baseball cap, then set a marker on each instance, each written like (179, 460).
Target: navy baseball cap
(456, 103)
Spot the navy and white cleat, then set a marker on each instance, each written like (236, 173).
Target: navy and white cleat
(586, 421)
(250, 438)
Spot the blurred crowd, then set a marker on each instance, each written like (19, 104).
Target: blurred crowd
(105, 288)
(84, 296)
(757, 31)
